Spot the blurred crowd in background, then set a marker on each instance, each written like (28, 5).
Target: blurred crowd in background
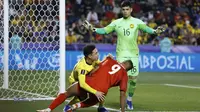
(180, 17)
(38, 20)
(33, 20)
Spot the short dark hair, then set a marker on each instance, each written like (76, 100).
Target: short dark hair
(87, 50)
(126, 3)
(130, 63)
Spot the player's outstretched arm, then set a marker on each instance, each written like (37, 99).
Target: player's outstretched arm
(122, 100)
(88, 26)
(100, 96)
(108, 56)
(149, 30)
(159, 30)
(101, 31)
(84, 85)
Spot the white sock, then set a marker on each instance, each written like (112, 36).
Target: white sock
(75, 106)
(129, 98)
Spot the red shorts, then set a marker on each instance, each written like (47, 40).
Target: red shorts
(87, 97)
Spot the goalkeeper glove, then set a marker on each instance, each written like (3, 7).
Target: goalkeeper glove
(159, 30)
(88, 26)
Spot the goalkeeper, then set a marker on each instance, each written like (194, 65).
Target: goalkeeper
(127, 29)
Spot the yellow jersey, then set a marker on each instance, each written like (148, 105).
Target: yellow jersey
(79, 72)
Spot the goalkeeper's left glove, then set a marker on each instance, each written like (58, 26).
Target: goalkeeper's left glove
(88, 26)
(159, 30)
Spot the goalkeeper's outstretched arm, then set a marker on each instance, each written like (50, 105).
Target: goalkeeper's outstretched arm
(149, 30)
(106, 30)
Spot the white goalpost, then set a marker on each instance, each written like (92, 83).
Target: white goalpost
(32, 51)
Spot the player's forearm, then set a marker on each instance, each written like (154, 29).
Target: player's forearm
(100, 31)
(84, 85)
(122, 100)
(146, 29)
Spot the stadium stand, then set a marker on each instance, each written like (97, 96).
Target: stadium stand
(181, 17)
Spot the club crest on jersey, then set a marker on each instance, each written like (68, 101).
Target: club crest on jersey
(131, 26)
(82, 72)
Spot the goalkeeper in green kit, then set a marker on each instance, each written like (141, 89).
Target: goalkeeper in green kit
(127, 29)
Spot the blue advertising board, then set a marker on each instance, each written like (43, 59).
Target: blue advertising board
(151, 62)
(32, 60)
(148, 62)
(169, 62)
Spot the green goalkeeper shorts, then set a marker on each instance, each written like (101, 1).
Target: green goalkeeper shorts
(135, 60)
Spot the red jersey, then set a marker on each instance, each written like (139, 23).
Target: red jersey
(110, 73)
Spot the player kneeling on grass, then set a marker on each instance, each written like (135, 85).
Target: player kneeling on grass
(83, 67)
(108, 74)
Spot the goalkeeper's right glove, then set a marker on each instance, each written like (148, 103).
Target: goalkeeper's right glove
(88, 26)
(159, 30)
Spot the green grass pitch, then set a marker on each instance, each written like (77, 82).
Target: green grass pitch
(152, 94)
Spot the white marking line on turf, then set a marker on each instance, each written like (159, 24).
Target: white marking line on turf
(48, 98)
(183, 86)
(148, 84)
(110, 109)
(39, 95)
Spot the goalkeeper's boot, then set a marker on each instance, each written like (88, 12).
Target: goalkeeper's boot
(129, 105)
(102, 109)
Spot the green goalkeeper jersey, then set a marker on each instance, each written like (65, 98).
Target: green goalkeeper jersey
(127, 33)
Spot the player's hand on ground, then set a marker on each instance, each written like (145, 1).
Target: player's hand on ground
(88, 26)
(159, 30)
(44, 110)
(100, 96)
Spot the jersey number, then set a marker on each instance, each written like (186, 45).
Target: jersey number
(115, 68)
(126, 32)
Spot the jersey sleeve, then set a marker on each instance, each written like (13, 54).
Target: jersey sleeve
(84, 85)
(123, 82)
(82, 71)
(81, 78)
(98, 61)
(110, 28)
(142, 26)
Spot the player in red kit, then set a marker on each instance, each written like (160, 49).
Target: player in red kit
(108, 74)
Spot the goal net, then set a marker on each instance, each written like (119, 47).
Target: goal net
(33, 50)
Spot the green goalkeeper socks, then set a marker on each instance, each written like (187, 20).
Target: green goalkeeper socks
(131, 87)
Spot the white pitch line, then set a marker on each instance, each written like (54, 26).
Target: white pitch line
(182, 86)
(20, 91)
(49, 98)
(110, 109)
